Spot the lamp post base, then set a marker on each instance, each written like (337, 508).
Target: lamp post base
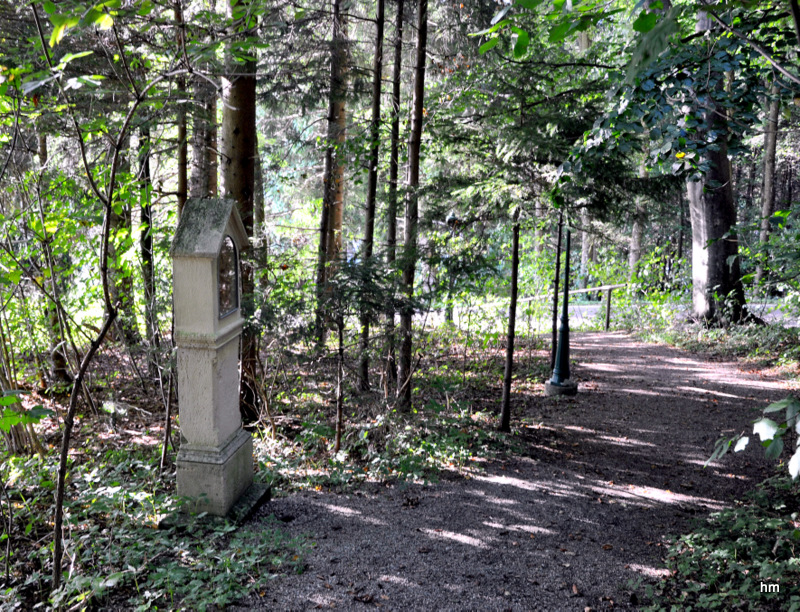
(567, 387)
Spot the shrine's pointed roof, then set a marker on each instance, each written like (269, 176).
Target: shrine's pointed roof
(203, 225)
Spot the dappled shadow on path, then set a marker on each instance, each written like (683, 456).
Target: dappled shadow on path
(566, 524)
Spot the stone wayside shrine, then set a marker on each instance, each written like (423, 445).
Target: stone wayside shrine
(215, 459)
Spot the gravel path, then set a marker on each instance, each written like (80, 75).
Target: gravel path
(568, 524)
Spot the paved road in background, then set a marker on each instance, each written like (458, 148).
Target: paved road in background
(589, 315)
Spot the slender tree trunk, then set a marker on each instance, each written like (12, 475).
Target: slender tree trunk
(505, 411)
(183, 153)
(69, 422)
(751, 181)
(58, 357)
(538, 233)
(146, 248)
(556, 279)
(330, 239)
(260, 240)
(681, 227)
(768, 189)
(412, 207)
(372, 182)
(337, 445)
(259, 213)
(789, 183)
(336, 208)
(212, 151)
(338, 135)
(121, 284)
(394, 165)
(586, 247)
(204, 140)
(238, 151)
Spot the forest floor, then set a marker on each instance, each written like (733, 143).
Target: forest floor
(570, 521)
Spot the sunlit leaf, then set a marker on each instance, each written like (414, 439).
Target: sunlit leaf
(559, 33)
(645, 22)
(522, 42)
(794, 464)
(60, 26)
(500, 15)
(765, 428)
(105, 22)
(489, 44)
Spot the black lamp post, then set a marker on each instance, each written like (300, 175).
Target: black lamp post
(560, 383)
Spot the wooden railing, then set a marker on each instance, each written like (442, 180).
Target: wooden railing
(605, 288)
(608, 289)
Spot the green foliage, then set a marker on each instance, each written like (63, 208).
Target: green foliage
(119, 557)
(771, 434)
(387, 447)
(13, 414)
(650, 303)
(724, 73)
(722, 563)
(767, 344)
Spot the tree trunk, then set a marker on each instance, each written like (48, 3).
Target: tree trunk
(204, 141)
(538, 233)
(337, 445)
(238, 150)
(259, 213)
(751, 181)
(372, 183)
(586, 247)
(505, 411)
(183, 185)
(556, 278)
(717, 291)
(146, 248)
(768, 189)
(58, 357)
(635, 249)
(121, 282)
(337, 135)
(637, 231)
(330, 238)
(681, 227)
(391, 205)
(412, 207)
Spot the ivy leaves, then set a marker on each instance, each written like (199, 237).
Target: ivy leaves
(770, 433)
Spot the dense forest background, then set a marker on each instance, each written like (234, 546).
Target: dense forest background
(406, 173)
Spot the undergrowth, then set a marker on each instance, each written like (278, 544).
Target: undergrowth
(742, 558)
(393, 447)
(452, 426)
(117, 557)
(767, 344)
